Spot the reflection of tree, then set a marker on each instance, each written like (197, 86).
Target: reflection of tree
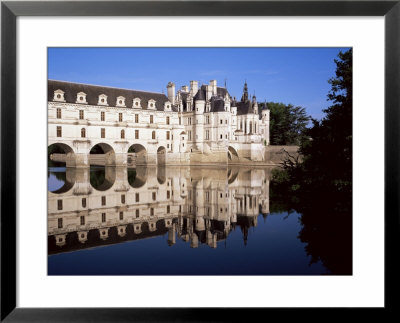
(97, 177)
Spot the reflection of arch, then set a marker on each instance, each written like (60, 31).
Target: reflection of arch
(232, 174)
(63, 175)
(232, 154)
(60, 154)
(102, 154)
(161, 151)
(137, 176)
(137, 155)
(161, 176)
(102, 178)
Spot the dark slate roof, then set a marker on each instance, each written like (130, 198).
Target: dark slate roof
(93, 92)
(184, 96)
(244, 108)
(217, 104)
(201, 94)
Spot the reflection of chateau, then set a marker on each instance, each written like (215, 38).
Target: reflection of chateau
(200, 206)
(200, 124)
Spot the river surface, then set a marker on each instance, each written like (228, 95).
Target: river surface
(174, 221)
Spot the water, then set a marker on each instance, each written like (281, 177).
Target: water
(173, 221)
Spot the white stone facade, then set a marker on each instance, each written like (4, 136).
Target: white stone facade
(196, 125)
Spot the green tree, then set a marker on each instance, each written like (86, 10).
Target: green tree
(287, 123)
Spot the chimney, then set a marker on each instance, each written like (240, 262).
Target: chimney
(171, 92)
(213, 85)
(184, 88)
(194, 87)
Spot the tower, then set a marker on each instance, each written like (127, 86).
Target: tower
(245, 96)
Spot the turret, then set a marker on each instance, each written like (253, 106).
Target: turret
(245, 96)
(171, 92)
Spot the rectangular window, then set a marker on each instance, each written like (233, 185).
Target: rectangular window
(180, 120)
(58, 113)
(137, 213)
(151, 211)
(84, 202)
(120, 117)
(151, 119)
(122, 134)
(81, 115)
(167, 135)
(168, 194)
(59, 133)
(103, 217)
(137, 197)
(154, 196)
(59, 205)
(103, 132)
(220, 121)
(168, 209)
(136, 134)
(102, 116)
(167, 120)
(136, 118)
(103, 200)
(123, 198)
(60, 223)
(121, 215)
(82, 220)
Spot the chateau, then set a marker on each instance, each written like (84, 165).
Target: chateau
(194, 125)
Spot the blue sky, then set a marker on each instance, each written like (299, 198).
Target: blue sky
(290, 75)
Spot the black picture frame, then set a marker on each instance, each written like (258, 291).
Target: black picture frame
(10, 10)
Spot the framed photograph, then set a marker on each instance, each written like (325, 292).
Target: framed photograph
(191, 159)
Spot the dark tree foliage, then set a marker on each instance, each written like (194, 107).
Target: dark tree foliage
(320, 187)
(287, 123)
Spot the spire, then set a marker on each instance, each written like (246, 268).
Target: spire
(245, 96)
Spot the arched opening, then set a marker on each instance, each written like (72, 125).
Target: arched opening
(102, 155)
(161, 155)
(60, 155)
(137, 176)
(137, 155)
(232, 155)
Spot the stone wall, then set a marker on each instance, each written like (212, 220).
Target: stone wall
(276, 154)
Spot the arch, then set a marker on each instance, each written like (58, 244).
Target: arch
(232, 155)
(102, 154)
(161, 155)
(137, 176)
(102, 178)
(137, 155)
(60, 154)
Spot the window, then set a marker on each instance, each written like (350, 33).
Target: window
(220, 136)
(220, 121)
(103, 132)
(151, 212)
(137, 197)
(137, 213)
(103, 217)
(122, 134)
(180, 120)
(81, 115)
(120, 117)
(123, 198)
(167, 120)
(136, 134)
(153, 135)
(59, 132)
(84, 202)
(168, 194)
(226, 121)
(60, 223)
(103, 200)
(136, 118)
(121, 215)
(59, 205)
(102, 116)
(168, 209)
(82, 220)
(151, 119)
(154, 196)
(167, 135)
(83, 132)
(58, 113)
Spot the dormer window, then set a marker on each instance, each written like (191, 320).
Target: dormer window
(81, 98)
(102, 99)
(120, 101)
(136, 103)
(167, 106)
(59, 96)
(151, 104)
